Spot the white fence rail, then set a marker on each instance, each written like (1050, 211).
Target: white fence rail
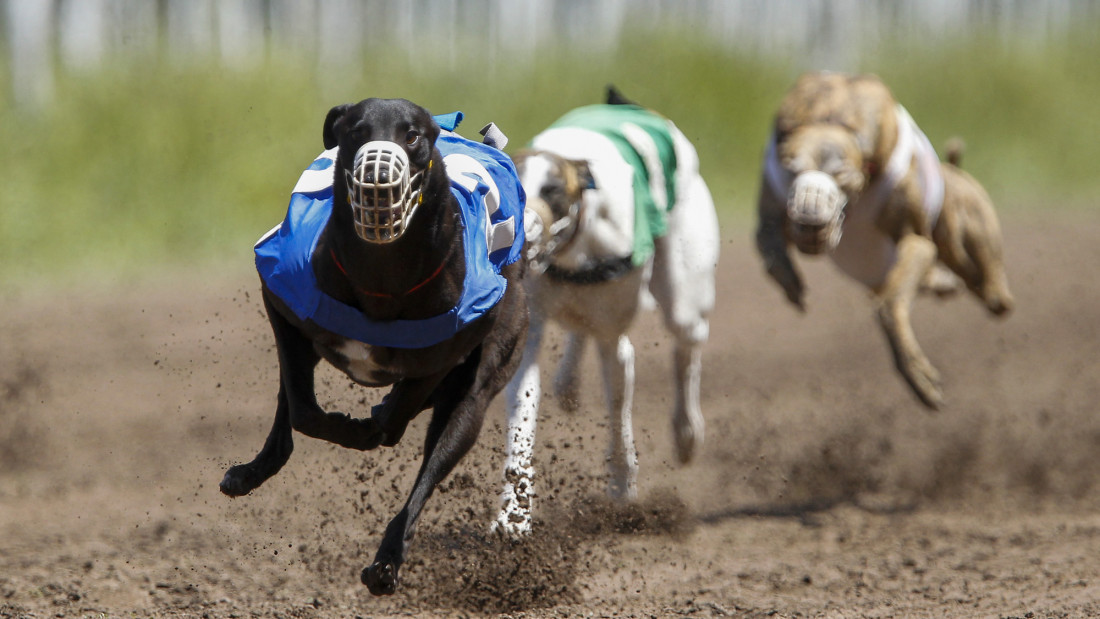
(82, 34)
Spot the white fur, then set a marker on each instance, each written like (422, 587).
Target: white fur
(680, 277)
(361, 363)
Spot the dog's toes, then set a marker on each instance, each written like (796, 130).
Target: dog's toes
(380, 578)
(1000, 305)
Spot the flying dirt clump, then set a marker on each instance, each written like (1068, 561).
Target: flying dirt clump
(465, 567)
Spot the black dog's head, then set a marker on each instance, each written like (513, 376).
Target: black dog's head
(386, 164)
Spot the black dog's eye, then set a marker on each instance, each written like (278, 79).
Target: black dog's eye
(411, 138)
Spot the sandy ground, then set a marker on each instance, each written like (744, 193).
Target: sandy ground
(824, 488)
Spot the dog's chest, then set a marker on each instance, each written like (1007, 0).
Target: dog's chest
(604, 310)
(363, 363)
(865, 252)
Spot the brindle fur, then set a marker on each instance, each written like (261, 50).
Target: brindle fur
(848, 125)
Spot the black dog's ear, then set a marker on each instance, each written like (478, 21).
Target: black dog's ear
(329, 132)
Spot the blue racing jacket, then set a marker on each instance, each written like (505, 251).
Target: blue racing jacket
(491, 200)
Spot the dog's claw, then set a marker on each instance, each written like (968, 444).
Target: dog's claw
(380, 578)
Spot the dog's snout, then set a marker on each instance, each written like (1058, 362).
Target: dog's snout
(382, 191)
(376, 176)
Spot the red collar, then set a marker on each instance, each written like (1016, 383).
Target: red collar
(386, 294)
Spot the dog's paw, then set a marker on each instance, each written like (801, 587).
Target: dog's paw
(925, 381)
(688, 438)
(371, 436)
(514, 520)
(240, 480)
(567, 393)
(795, 296)
(510, 531)
(380, 578)
(569, 402)
(999, 302)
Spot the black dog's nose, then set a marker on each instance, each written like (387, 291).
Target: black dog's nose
(373, 176)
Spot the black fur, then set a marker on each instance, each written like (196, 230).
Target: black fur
(614, 97)
(456, 378)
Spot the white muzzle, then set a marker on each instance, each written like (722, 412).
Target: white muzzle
(815, 207)
(382, 191)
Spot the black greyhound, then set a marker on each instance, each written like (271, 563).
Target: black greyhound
(367, 272)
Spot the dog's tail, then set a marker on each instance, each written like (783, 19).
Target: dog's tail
(954, 151)
(614, 97)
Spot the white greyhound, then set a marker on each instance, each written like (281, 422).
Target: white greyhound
(617, 210)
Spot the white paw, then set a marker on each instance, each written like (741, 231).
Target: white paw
(688, 432)
(513, 524)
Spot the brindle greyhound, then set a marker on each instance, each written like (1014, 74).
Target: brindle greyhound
(848, 173)
(367, 273)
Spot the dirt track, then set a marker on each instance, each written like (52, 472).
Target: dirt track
(824, 488)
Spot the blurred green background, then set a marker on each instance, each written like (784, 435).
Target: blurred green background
(146, 163)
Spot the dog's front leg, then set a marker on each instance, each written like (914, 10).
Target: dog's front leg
(297, 361)
(916, 255)
(407, 398)
(523, 394)
(771, 243)
(294, 349)
(617, 362)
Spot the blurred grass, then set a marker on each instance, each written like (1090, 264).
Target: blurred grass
(149, 164)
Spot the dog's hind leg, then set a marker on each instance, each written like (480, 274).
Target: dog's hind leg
(617, 363)
(683, 285)
(460, 404)
(523, 394)
(969, 238)
(407, 398)
(456, 422)
(916, 255)
(567, 379)
(941, 281)
(982, 241)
